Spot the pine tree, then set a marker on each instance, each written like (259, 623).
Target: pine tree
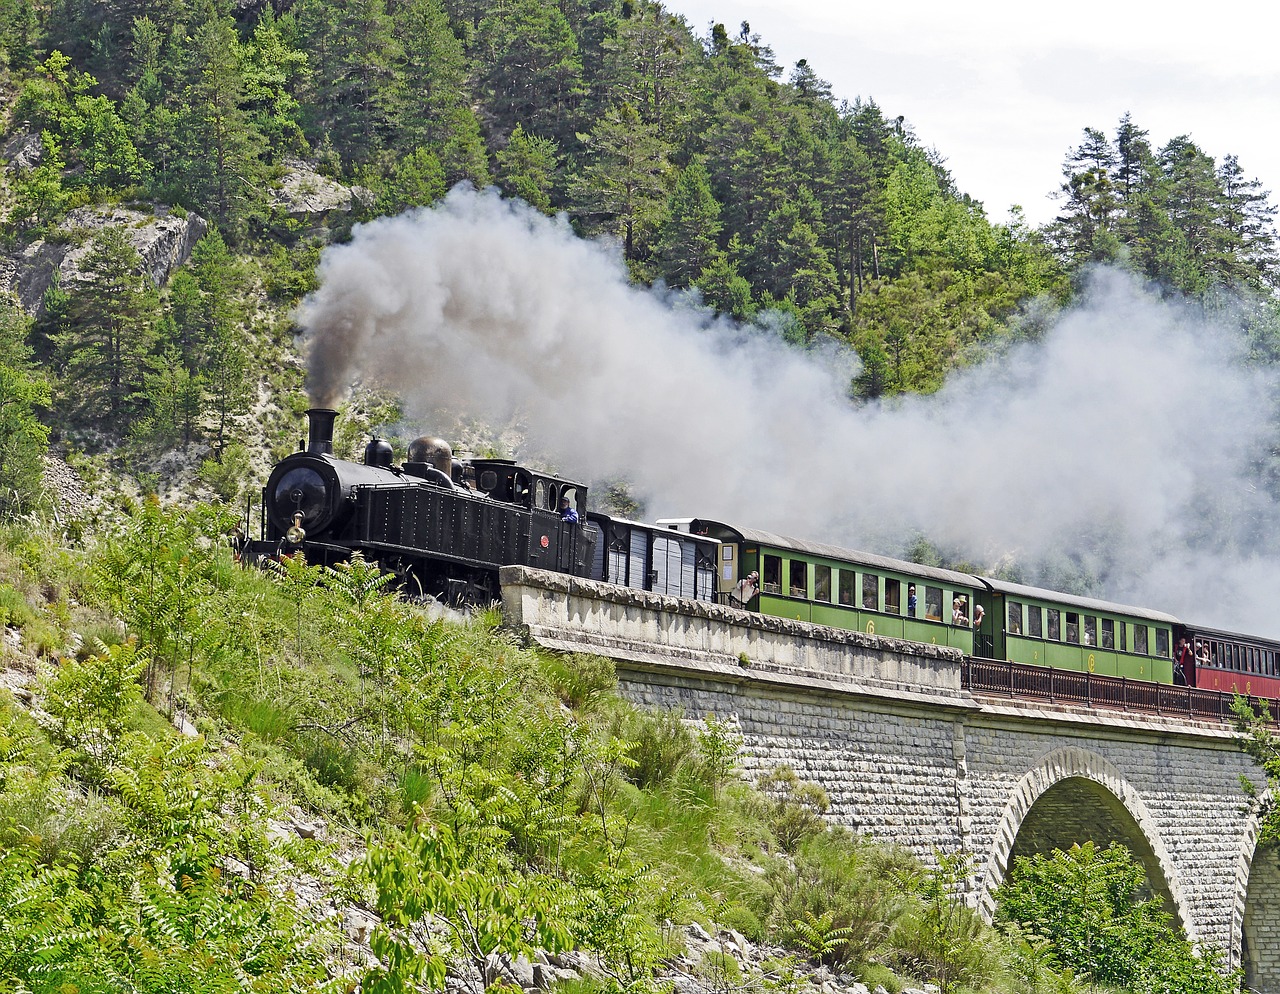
(530, 68)
(1192, 199)
(23, 391)
(355, 86)
(1248, 216)
(622, 189)
(223, 170)
(1083, 231)
(105, 351)
(686, 242)
(526, 169)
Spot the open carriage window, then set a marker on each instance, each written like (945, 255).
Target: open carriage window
(799, 578)
(771, 579)
(822, 583)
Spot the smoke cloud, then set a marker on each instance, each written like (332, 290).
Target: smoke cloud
(1123, 452)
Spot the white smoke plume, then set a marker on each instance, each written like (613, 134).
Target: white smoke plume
(1125, 446)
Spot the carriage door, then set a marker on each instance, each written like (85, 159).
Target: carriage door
(667, 565)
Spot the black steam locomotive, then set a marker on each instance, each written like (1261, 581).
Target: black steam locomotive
(442, 525)
(445, 526)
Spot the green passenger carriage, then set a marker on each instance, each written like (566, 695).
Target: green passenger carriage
(1046, 628)
(827, 585)
(980, 616)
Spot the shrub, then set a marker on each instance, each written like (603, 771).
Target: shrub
(1090, 904)
(582, 682)
(796, 808)
(661, 745)
(846, 884)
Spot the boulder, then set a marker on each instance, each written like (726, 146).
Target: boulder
(307, 196)
(164, 240)
(23, 151)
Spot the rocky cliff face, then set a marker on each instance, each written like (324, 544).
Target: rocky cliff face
(164, 240)
(308, 197)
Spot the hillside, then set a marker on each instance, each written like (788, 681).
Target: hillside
(212, 779)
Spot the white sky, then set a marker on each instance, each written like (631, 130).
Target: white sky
(1003, 89)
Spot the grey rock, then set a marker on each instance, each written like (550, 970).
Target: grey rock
(163, 239)
(24, 151)
(697, 933)
(306, 195)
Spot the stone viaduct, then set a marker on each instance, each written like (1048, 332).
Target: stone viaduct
(908, 756)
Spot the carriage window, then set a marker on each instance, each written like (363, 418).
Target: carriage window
(1073, 628)
(960, 609)
(771, 581)
(822, 583)
(893, 596)
(1108, 634)
(799, 578)
(540, 494)
(870, 592)
(1055, 625)
(1015, 618)
(1162, 642)
(933, 603)
(1034, 619)
(1140, 639)
(1090, 630)
(1122, 645)
(847, 579)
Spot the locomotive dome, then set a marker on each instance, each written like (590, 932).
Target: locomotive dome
(435, 451)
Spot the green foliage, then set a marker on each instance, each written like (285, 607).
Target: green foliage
(941, 936)
(850, 887)
(91, 700)
(797, 807)
(719, 744)
(1088, 902)
(23, 438)
(105, 349)
(581, 682)
(661, 745)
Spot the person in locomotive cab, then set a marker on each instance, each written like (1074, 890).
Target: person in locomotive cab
(567, 513)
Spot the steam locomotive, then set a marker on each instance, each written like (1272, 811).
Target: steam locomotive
(445, 526)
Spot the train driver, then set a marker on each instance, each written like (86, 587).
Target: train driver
(567, 513)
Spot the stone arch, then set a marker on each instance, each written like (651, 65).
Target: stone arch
(1104, 785)
(1255, 946)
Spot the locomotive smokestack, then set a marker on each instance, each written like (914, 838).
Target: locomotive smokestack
(320, 434)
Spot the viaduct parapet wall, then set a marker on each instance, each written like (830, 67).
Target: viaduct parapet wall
(908, 756)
